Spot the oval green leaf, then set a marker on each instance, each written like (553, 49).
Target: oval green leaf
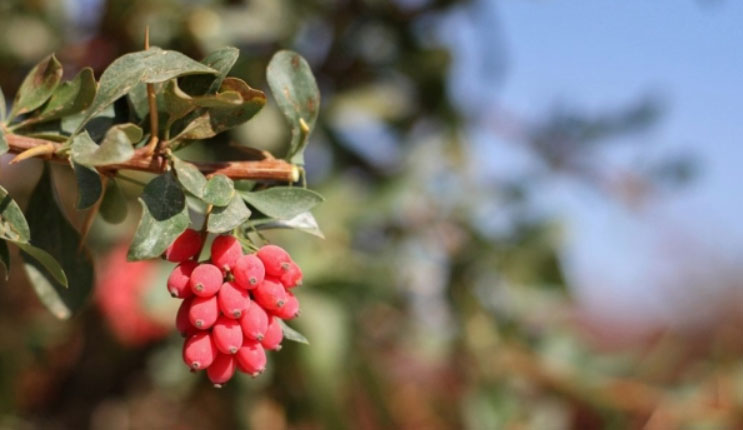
(222, 220)
(190, 177)
(153, 237)
(38, 86)
(219, 190)
(283, 202)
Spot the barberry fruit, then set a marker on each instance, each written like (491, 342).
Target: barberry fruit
(206, 280)
(275, 259)
(292, 277)
(233, 301)
(274, 335)
(254, 322)
(227, 335)
(221, 369)
(182, 322)
(251, 358)
(203, 312)
(185, 246)
(225, 252)
(178, 281)
(270, 294)
(199, 351)
(290, 308)
(249, 271)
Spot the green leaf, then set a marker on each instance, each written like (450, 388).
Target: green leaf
(220, 60)
(38, 86)
(164, 197)
(89, 186)
(3, 106)
(291, 334)
(153, 237)
(295, 90)
(3, 142)
(46, 260)
(190, 177)
(5, 258)
(117, 146)
(177, 104)
(13, 225)
(219, 190)
(113, 208)
(52, 233)
(151, 66)
(222, 220)
(305, 222)
(283, 202)
(70, 97)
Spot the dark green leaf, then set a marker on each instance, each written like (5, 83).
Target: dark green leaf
(52, 233)
(113, 207)
(219, 190)
(117, 146)
(305, 222)
(38, 86)
(224, 219)
(150, 66)
(220, 60)
(283, 202)
(89, 186)
(46, 260)
(13, 225)
(5, 258)
(153, 236)
(291, 334)
(3, 142)
(295, 90)
(71, 97)
(190, 177)
(164, 197)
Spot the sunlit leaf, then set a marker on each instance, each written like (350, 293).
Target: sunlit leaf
(305, 222)
(13, 225)
(219, 190)
(70, 97)
(176, 103)
(153, 236)
(224, 219)
(220, 60)
(38, 86)
(164, 197)
(116, 147)
(291, 334)
(89, 186)
(190, 177)
(46, 260)
(283, 202)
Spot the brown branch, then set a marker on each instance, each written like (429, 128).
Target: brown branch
(267, 169)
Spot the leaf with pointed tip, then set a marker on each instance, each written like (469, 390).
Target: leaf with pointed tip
(177, 104)
(283, 202)
(295, 90)
(222, 220)
(117, 146)
(5, 258)
(305, 222)
(89, 186)
(3, 142)
(291, 334)
(46, 260)
(150, 66)
(70, 97)
(153, 237)
(164, 197)
(190, 177)
(13, 224)
(220, 60)
(38, 86)
(219, 190)
(113, 207)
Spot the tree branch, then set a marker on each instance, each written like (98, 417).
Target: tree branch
(267, 169)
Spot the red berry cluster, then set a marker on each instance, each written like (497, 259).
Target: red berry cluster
(231, 305)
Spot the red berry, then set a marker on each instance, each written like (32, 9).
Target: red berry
(178, 281)
(187, 245)
(204, 312)
(199, 351)
(270, 294)
(233, 301)
(251, 358)
(221, 369)
(290, 308)
(182, 323)
(227, 335)
(292, 277)
(276, 260)
(254, 322)
(274, 335)
(225, 251)
(206, 280)
(249, 271)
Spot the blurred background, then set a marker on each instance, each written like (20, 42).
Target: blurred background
(532, 221)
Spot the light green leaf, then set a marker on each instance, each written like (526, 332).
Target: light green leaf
(13, 225)
(151, 66)
(3, 142)
(295, 90)
(291, 334)
(305, 222)
(117, 146)
(220, 60)
(190, 177)
(153, 237)
(38, 86)
(283, 202)
(222, 220)
(164, 197)
(113, 207)
(5, 258)
(89, 186)
(46, 260)
(70, 97)
(219, 190)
